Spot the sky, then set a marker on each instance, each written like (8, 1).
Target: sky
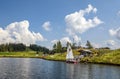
(44, 22)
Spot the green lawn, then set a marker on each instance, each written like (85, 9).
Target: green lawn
(60, 56)
(57, 57)
(20, 54)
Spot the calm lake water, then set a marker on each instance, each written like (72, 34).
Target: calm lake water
(31, 68)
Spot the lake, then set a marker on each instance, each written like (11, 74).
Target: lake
(33, 68)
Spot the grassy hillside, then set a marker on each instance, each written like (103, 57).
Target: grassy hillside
(111, 57)
(104, 56)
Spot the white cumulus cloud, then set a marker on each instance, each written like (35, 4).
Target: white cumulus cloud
(115, 32)
(96, 45)
(76, 39)
(46, 26)
(110, 42)
(18, 32)
(63, 41)
(77, 23)
(54, 41)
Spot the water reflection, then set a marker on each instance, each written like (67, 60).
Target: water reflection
(77, 71)
(89, 71)
(28, 68)
(105, 72)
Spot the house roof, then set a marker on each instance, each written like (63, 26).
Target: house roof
(85, 51)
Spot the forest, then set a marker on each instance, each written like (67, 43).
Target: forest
(13, 47)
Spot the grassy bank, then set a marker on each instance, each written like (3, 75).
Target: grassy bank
(111, 57)
(24, 54)
(99, 56)
(60, 56)
(103, 56)
(56, 57)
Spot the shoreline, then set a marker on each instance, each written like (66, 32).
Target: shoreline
(107, 59)
(101, 63)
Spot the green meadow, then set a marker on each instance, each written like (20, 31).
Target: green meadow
(24, 54)
(104, 57)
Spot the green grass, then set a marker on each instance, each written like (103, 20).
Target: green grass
(112, 57)
(19, 54)
(57, 57)
(60, 56)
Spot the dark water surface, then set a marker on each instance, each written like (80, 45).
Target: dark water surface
(31, 68)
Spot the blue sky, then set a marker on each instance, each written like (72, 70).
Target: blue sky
(47, 22)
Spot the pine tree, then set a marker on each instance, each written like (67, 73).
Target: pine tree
(88, 44)
(59, 47)
(67, 44)
(55, 48)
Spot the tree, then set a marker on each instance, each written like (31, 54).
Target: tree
(3, 47)
(10, 47)
(19, 47)
(54, 46)
(59, 47)
(16, 47)
(34, 47)
(38, 49)
(68, 43)
(73, 45)
(88, 44)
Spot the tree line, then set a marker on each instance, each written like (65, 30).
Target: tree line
(13, 47)
(58, 48)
